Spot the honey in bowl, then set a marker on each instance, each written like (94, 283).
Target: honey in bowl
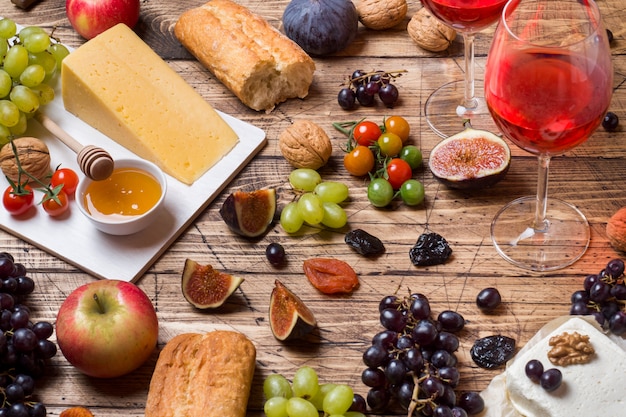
(127, 192)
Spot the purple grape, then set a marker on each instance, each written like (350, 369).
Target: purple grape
(471, 402)
(617, 323)
(375, 356)
(388, 94)
(551, 379)
(580, 296)
(275, 253)
(395, 371)
(451, 321)
(420, 308)
(432, 387)
(373, 377)
(599, 292)
(589, 281)
(579, 309)
(363, 97)
(441, 358)
(534, 370)
(447, 341)
(404, 342)
(450, 375)
(488, 299)
(346, 98)
(358, 404)
(390, 301)
(459, 412)
(393, 319)
(385, 339)
(404, 393)
(425, 333)
(414, 360)
(6, 267)
(372, 88)
(43, 329)
(377, 399)
(615, 268)
(24, 339)
(619, 291)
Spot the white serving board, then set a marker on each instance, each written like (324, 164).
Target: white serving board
(73, 239)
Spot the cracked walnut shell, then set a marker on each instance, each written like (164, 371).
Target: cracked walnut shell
(429, 33)
(304, 144)
(381, 14)
(570, 348)
(34, 158)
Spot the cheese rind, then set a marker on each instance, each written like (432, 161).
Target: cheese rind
(117, 84)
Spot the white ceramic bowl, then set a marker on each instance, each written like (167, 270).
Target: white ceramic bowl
(129, 224)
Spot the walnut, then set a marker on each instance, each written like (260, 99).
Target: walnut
(570, 348)
(34, 158)
(616, 230)
(381, 14)
(76, 412)
(429, 33)
(305, 145)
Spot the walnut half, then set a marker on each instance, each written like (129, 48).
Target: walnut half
(305, 145)
(34, 158)
(570, 348)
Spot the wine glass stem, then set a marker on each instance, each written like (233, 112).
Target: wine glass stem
(540, 223)
(470, 95)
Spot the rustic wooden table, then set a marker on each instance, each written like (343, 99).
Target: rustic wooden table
(592, 177)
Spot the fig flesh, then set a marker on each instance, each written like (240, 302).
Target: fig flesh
(471, 159)
(250, 213)
(205, 287)
(290, 318)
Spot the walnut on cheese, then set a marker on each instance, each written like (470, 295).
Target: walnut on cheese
(570, 348)
(429, 33)
(304, 144)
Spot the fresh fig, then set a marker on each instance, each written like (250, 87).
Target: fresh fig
(249, 213)
(205, 287)
(471, 159)
(290, 318)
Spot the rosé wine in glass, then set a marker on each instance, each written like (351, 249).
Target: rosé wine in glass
(466, 15)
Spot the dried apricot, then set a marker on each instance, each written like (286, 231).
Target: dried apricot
(330, 276)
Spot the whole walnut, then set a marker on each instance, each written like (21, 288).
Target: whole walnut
(34, 158)
(381, 14)
(304, 144)
(616, 230)
(429, 33)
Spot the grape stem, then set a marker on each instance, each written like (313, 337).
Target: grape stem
(390, 74)
(416, 403)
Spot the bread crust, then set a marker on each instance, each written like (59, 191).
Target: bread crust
(254, 60)
(203, 375)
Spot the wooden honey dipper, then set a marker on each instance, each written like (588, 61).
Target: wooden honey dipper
(95, 162)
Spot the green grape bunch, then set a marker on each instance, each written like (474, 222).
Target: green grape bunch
(29, 58)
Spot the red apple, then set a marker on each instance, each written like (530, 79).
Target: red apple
(107, 328)
(92, 17)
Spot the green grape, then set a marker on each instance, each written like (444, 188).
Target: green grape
(16, 61)
(25, 99)
(412, 192)
(318, 399)
(353, 414)
(380, 192)
(5, 134)
(305, 383)
(37, 42)
(310, 208)
(5, 83)
(335, 216)
(339, 400)
(8, 28)
(59, 52)
(29, 31)
(276, 385)
(33, 75)
(4, 47)
(276, 407)
(20, 127)
(290, 218)
(9, 113)
(304, 179)
(331, 191)
(45, 59)
(299, 407)
(44, 92)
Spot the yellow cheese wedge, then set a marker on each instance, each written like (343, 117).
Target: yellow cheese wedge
(117, 84)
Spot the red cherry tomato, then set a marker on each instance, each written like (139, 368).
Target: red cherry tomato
(398, 171)
(67, 177)
(399, 126)
(366, 133)
(57, 205)
(18, 203)
(359, 161)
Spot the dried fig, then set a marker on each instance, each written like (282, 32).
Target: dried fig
(249, 213)
(34, 158)
(205, 287)
(290, 318)
(304, 144)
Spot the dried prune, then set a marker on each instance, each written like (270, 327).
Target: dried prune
(493, 351)
(430, 249)
(364, 243)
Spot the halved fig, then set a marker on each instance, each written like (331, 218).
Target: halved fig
(249, 213)
(205, 287)
(470, 159)
(290, 318)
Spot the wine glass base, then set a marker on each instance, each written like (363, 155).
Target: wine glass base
(445, 113)
(562, 241)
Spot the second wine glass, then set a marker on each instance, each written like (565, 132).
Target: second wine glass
(451, 104)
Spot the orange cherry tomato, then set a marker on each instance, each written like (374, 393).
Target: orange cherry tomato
(55, 206)
(359, 161)
(399, 126)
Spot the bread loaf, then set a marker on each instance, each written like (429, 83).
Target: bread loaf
(202, 375)
(254, 60)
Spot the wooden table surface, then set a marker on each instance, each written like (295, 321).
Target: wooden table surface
(593, 177)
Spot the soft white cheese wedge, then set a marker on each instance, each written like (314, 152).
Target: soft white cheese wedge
(592, 389)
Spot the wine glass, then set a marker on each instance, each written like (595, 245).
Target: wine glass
(548, 84)
(450, 105)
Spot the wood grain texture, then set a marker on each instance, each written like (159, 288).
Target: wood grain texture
(593, 177)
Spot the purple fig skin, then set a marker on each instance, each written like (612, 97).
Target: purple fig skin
(249, 214)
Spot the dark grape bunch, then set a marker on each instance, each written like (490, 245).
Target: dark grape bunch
(411, 363)
(604, 297)
(363, 87)
(24, 346)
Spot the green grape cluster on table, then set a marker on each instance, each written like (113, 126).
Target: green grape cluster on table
(29, 59)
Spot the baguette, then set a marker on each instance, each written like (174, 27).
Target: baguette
(254, 60)
(202, 375)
